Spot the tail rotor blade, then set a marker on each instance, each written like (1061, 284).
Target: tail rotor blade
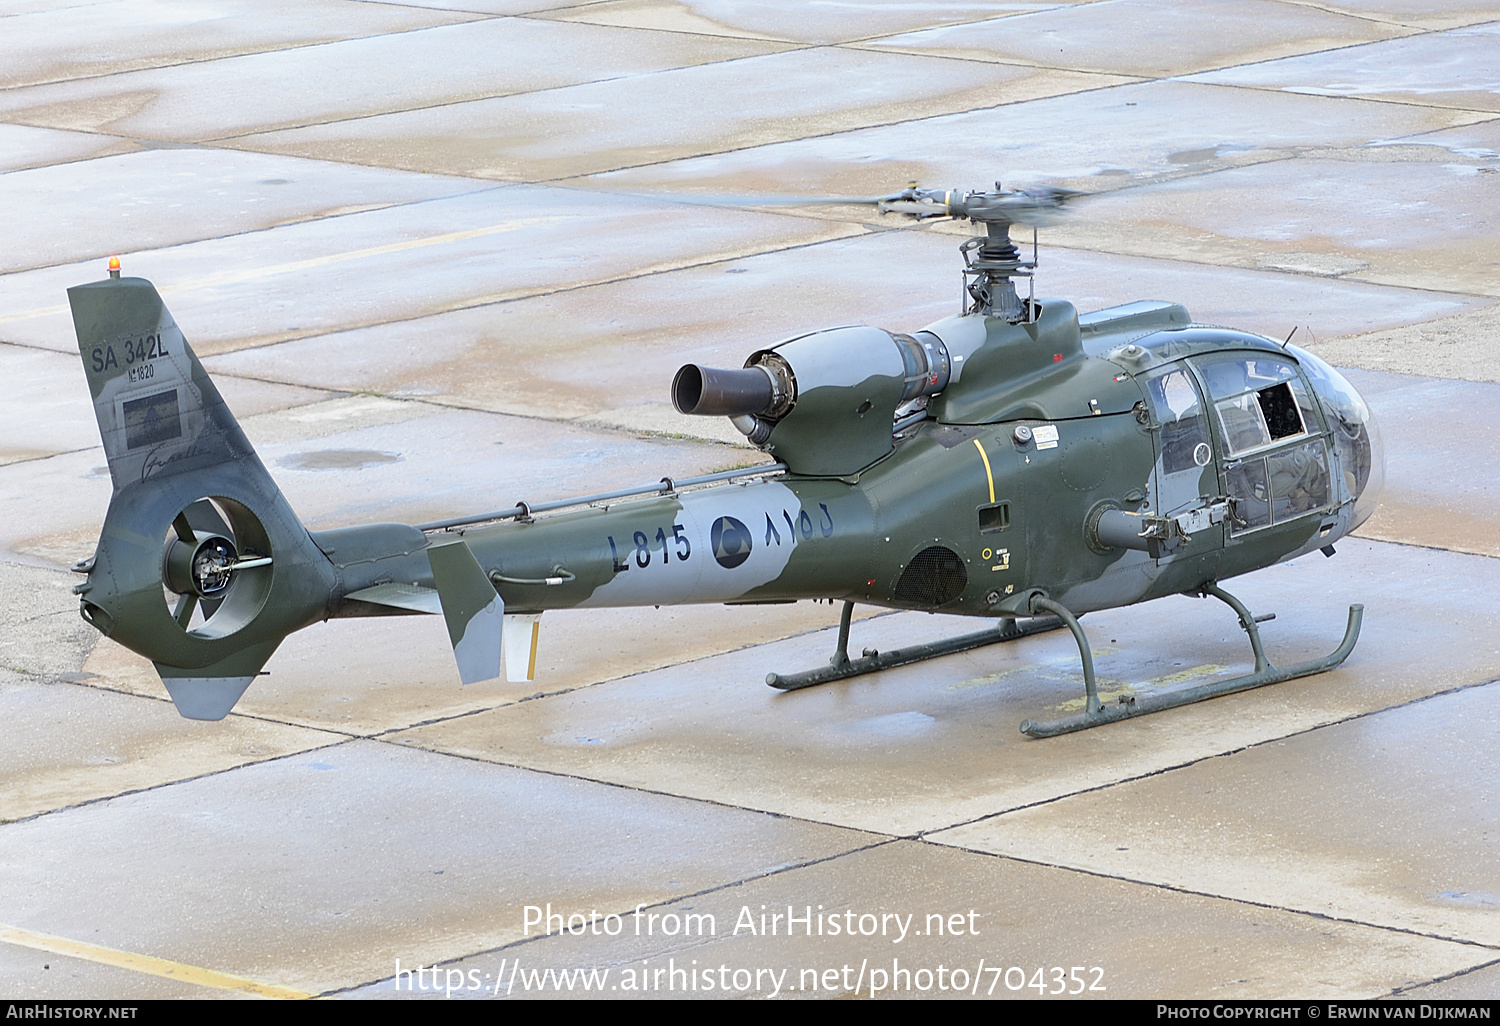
(183, 528)
(202, 516)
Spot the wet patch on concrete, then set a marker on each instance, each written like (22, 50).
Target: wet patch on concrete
(337, 459)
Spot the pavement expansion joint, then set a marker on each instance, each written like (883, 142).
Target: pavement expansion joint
(128, 146)
(1289, 909)
(1460, 974)
(1118, 78)
(502, 94)
(549, 16)
(1357, 15)
(535, 696)
(1420, 545)
(49, 455)
(834, 132)
(472, 18)
(1161, 771)
(634, 789)
(99, 799)
(1480, 115)
(665, 267)
(663, 903)
(479, 303)
(480, 186)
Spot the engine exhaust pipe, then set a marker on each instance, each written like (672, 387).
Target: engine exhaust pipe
(711, 392)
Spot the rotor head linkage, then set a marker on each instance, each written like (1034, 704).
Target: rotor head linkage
(990, 260)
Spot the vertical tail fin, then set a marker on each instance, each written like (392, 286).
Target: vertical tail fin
(159, 414)
(193, 509)
(473, 608)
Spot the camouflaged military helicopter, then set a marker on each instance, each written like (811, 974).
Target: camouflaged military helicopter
(1016, 461)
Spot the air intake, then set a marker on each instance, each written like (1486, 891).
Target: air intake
(934, 577)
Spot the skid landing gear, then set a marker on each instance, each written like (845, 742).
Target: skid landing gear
(1095, 713)
(841, 666)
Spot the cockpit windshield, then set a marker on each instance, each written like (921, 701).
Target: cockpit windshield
(1356, 436)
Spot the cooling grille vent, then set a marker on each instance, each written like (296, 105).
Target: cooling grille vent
(935, 576)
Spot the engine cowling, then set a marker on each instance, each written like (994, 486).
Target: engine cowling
(823, 403)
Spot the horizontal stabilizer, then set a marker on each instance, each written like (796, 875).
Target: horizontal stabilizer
(411, 597)
(205, 698)
(474, 610)
(210, 692)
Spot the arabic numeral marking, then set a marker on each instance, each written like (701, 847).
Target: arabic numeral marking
(686, 549)
(661, 539)
(642, 553)
(1098, 983)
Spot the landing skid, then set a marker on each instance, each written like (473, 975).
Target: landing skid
(1095, 714)
(841, 666)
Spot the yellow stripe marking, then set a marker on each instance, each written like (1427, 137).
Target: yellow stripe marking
(989, 476)
(536, 633)
(255, 273)
(144, 964)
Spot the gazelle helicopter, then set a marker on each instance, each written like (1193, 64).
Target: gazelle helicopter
(1017, 461)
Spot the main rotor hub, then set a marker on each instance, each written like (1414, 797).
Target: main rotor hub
(991, 260)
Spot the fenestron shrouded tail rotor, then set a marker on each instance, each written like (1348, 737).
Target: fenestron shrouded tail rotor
(196, 519)
(205, 562)
(193, 511)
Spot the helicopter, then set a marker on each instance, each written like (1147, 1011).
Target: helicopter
(1016, 461)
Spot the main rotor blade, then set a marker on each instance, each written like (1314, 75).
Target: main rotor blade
(772, 200)
(183, 614)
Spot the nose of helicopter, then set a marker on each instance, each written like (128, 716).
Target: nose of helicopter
(1356, 435)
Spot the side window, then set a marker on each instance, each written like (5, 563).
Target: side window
(1184, 432)
(1258, 400)
(1299, 480)
(1251, 497)
(1278, 487)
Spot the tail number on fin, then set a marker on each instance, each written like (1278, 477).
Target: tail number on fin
(141, 350)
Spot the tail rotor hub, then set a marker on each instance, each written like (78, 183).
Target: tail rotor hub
(213, 546)
(203, 566)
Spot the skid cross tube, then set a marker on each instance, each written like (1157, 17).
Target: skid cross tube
(840, 666)
(1264, 673)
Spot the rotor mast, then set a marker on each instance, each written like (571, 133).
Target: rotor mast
(991, 260)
